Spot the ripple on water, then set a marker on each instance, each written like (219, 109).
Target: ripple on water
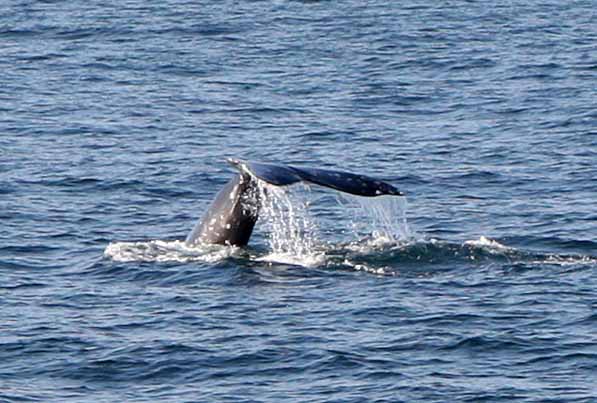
(116, 123)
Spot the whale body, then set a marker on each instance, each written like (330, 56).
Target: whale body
(233, 213)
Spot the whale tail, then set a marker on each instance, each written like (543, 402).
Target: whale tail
(235, 210)
(283, 175)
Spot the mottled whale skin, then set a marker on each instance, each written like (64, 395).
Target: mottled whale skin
(233, 213)
(231, 216)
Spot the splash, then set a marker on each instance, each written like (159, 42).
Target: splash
(516, 256)
(381, 220)
(488, 244)
(167, 251)
(288, 222)
(292, 232)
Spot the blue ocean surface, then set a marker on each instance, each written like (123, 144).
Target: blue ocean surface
(479, 285)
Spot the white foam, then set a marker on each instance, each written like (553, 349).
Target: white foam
(312, 260)
(167, 251)
(566, 260)
(493, 246)
(381, 271)
(487, 243)
(374, 244)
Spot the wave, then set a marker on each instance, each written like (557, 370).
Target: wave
(487, 243)
(375, 255)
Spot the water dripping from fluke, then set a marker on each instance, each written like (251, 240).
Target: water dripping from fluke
(296, 234)
(298, 229)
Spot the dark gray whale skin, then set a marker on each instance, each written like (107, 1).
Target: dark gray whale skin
(231, 216)
(233, 213)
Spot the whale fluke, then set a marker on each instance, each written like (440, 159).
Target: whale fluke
(282, 175)
(235, 210)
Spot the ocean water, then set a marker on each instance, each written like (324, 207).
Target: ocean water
(480, 285)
